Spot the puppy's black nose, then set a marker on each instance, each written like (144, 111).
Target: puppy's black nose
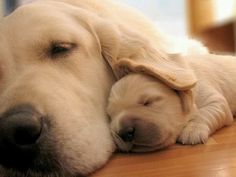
(127, 134)
(20, 129)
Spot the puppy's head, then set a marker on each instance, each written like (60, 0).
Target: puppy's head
(145, 113)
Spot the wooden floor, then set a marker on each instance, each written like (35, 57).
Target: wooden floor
(217, 158)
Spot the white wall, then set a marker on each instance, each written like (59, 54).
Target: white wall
(170, 15)
(225, 11)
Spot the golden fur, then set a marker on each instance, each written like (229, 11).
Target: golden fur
(147, 114)
(100, 40)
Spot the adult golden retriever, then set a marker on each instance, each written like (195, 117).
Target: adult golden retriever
(57, 63)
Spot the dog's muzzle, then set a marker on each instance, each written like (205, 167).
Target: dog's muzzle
(20, 129)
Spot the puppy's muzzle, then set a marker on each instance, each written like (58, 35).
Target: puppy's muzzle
(136, 133)
(20, 127)
(135, 129)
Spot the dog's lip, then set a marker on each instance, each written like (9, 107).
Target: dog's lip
(29, 173)
(141, 147)
(133, 147)
(157, 146)
(25, 172)
(147, 148)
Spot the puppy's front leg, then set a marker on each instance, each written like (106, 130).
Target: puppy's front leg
(212, 114)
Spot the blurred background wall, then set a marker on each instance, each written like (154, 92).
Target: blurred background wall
(165, 13)
(214, 23)
(211, 21)
(7, 6)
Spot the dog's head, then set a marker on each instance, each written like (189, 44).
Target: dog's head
(54, 86)
(146, 114)
(55, 83)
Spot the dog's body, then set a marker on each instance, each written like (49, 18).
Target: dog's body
(146, 114)
(58, 61)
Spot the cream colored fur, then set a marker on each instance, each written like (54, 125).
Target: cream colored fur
(72, 87)
(160, 115)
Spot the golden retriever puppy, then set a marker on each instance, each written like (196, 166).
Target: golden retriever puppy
(148, 114)
(57, 65)
(145, 113)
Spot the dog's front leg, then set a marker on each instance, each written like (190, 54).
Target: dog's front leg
(212, 114)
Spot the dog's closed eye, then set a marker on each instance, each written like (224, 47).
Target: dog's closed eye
(145, 102)
(60, 49)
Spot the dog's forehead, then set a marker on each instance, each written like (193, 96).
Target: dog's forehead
(37, 23)
(44, 14)
(34, 14)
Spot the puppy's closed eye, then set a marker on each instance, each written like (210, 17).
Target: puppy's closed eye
(145, 102)
(60, 49)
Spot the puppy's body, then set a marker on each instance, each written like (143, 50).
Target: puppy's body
(146, 114)
(215, 73)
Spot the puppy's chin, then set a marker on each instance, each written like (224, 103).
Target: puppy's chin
(149, 148)
(136, 146)
(132, 147)
(123, 146)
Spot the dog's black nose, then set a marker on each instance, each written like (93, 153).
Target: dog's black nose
(20, 129)
(127, 134)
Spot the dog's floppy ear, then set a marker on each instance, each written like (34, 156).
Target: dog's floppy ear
(187, 100)
(128, 51)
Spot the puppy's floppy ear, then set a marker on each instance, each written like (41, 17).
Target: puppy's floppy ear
(128, 51)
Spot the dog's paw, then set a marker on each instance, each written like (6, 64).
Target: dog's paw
(194, 133)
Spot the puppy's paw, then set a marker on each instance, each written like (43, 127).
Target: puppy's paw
(194, 133)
